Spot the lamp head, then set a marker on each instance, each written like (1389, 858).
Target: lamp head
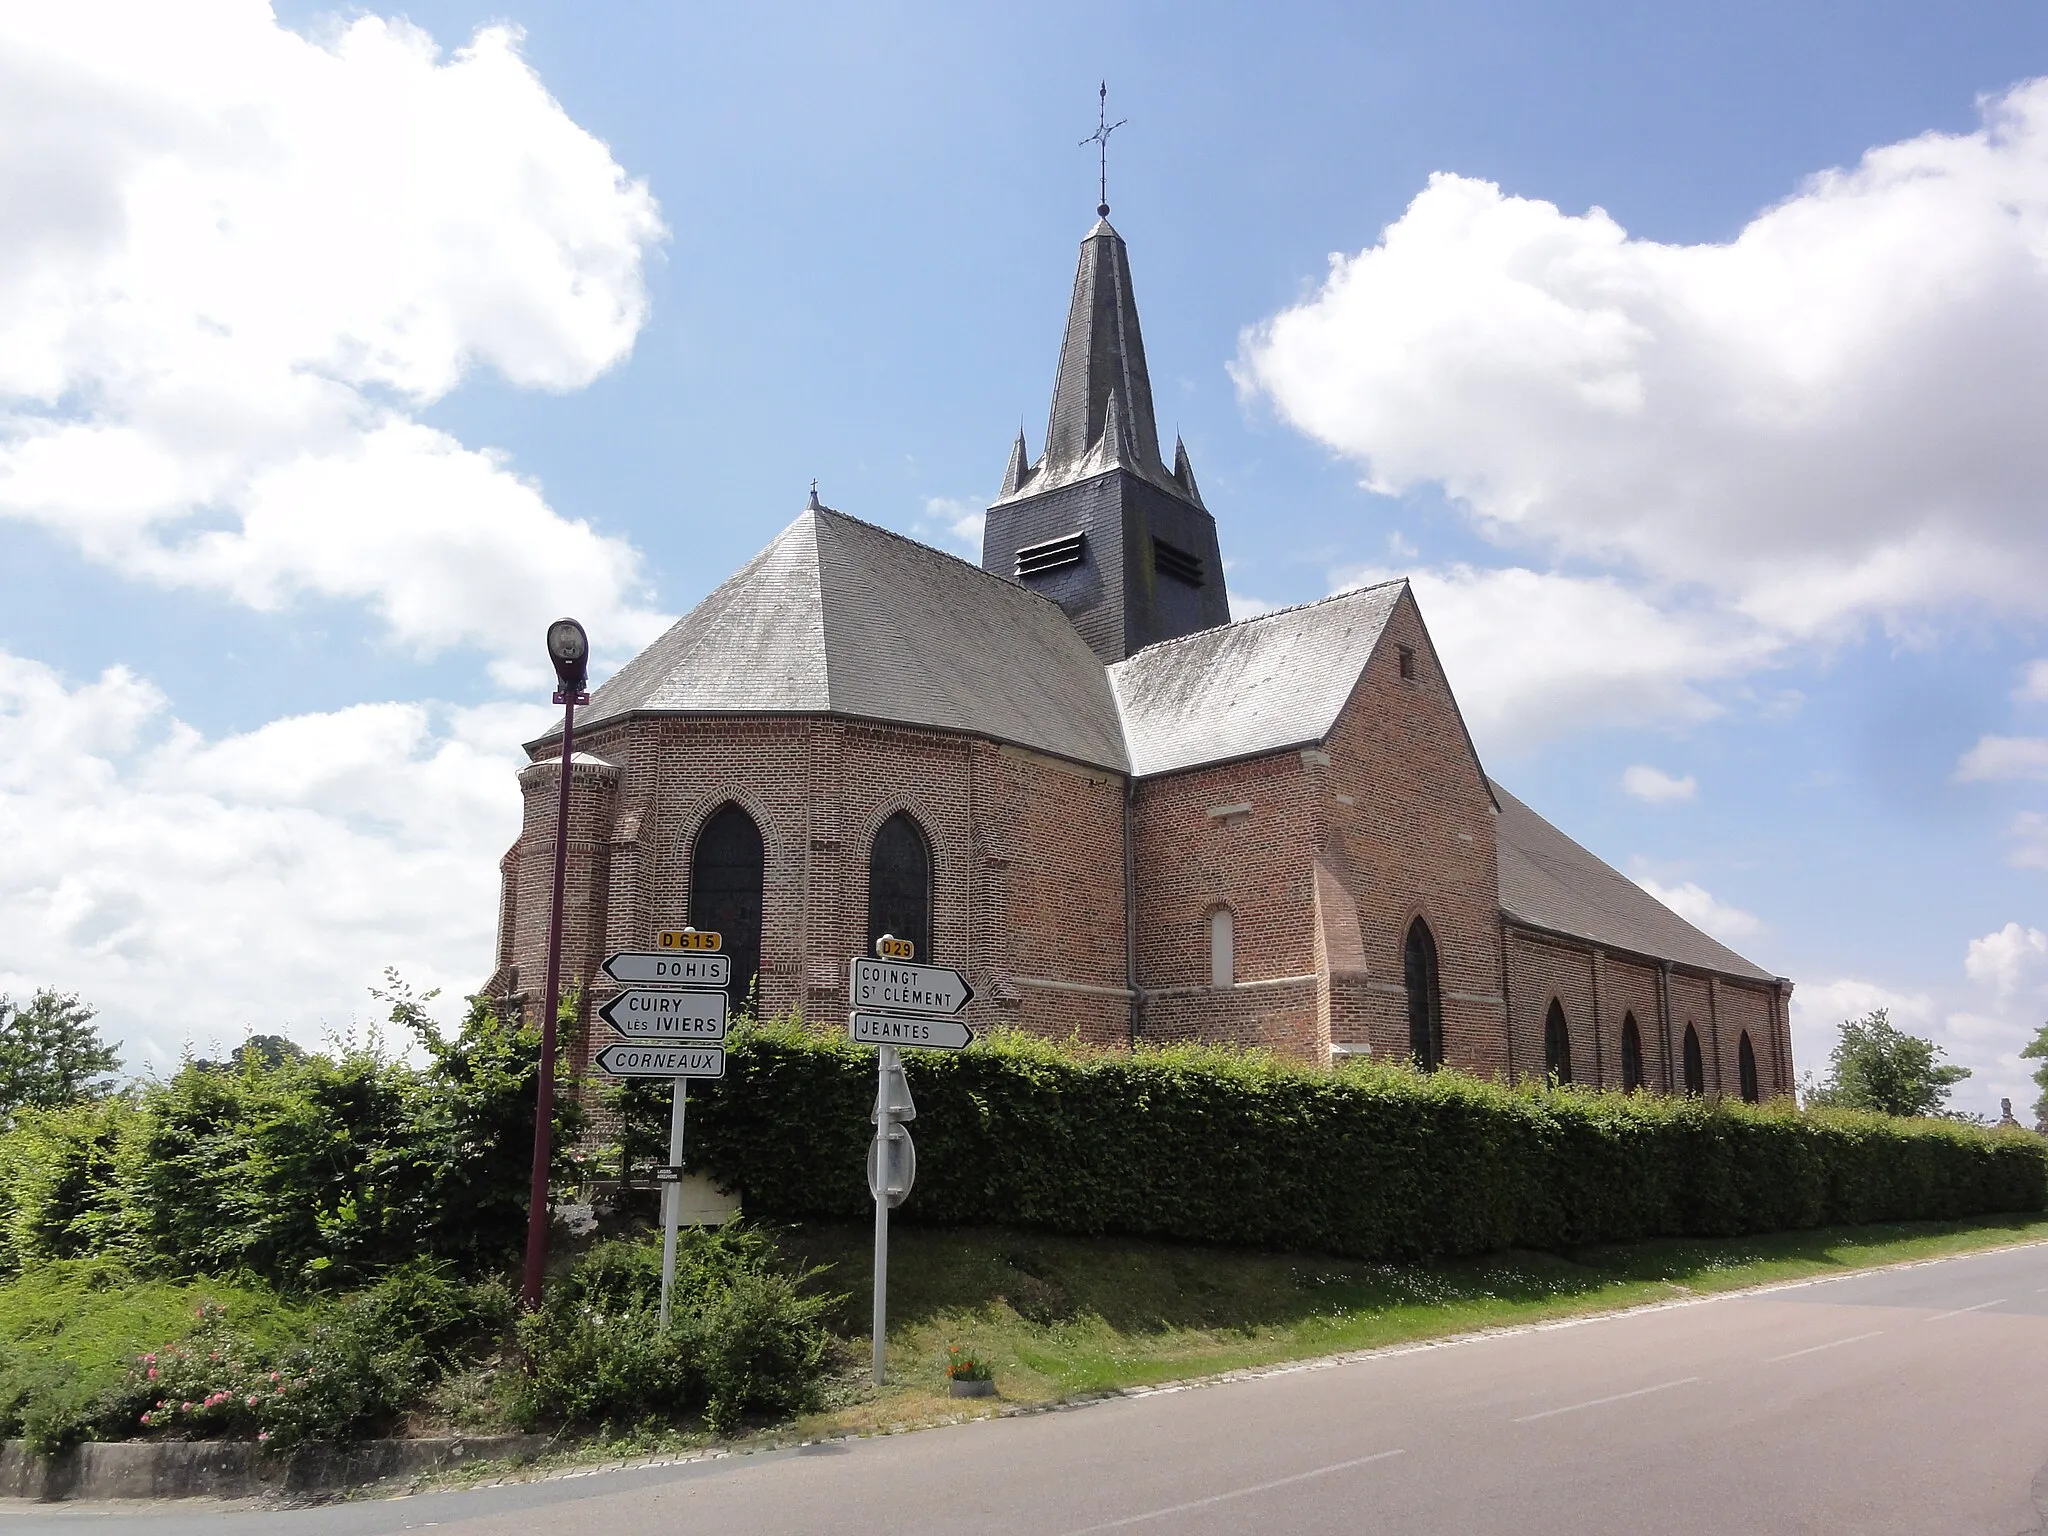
(569, 650)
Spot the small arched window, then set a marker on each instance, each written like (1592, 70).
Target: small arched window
(900, 885)
(1745, 1061)
(1425, 998)
(1222, 948)
(727, 873)
(1695, 1064)
(1631, 1055)
(1557, 1044)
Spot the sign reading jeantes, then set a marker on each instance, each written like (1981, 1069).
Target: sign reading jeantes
(668, 970)
(647, 1013)
(895, 1029)
(889, 986)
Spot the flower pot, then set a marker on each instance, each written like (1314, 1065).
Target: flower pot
(971, 1388)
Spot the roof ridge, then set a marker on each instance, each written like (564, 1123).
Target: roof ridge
(1271, 613)
(932, 549)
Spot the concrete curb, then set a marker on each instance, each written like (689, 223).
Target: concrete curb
(238, 1469)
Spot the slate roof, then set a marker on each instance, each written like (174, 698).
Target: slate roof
(1548, 881)
(1259, 685)
(839, 616)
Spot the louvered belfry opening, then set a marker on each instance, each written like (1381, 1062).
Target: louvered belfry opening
(728, 876)
(1695, 1063)
(1631, 1055)
(1425, 997)
(1557, 1044)
(900, 884)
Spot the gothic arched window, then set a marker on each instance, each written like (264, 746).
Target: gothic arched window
(1222, 948)
(900, 885)
(1557, 1044)
(1695, 1064)
(1425, 998)
(727, 873)
(1745, 1060)
(1631, 1055)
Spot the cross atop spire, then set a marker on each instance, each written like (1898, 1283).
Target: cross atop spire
(1100, 139)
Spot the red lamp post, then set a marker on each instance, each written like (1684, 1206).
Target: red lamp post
(569, 650)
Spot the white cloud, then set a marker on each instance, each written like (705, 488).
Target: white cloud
(955, 519)
(1831, 418)
(2033, 688)
(1534, 655)
(1656, 787)
(235, 260)
(2028, 835)
(2008, 959)
(192, 888)
(1698, 906)
(2005, 757)
(1244, 606)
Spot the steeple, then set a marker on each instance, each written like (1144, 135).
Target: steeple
(1099, 523)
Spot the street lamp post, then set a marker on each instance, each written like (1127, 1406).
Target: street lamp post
(569, 650)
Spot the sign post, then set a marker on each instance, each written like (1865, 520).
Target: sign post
(897, 1003)
(673, 1014)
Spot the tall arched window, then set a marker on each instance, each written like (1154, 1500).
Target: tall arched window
(1222, 948)
(1557, 1044)
(1695, 1064)
(727, 869)
(1425, 998)
(1745, 1061)
(900, 884)
(1631, 1055)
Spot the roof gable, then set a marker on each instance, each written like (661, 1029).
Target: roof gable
(1257, 686)
(838, 616)
(1548, 881)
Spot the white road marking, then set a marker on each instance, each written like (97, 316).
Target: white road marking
(1235, 1493)
(1959, 1311)
(1551, 1413)
(1813, 1349)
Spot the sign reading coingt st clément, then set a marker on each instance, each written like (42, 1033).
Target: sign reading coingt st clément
(890, 986)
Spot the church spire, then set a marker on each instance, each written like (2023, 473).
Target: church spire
(1102, 367)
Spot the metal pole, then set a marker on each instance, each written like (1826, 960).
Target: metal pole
(672, 1194)
(885, 1123)
(544, 1096)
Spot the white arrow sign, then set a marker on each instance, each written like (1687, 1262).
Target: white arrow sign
(894, 986)
(895, 1029)
(646, 1014)
(669, 969)
(661, 1060)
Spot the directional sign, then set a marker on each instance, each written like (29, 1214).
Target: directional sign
(648, 1013)
(889, 986)
(895, 1029)
(668, 970)
(661, 1060)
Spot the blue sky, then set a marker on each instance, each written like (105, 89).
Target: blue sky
(1744, 499)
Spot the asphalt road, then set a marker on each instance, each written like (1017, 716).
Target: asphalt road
(1910, 1401)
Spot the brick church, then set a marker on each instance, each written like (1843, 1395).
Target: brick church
(1068, 774)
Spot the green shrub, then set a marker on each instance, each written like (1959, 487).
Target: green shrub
(742, 1337)
(1371, 1161)
(301, 1169)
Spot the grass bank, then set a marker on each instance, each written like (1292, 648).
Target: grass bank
(1065, 1317)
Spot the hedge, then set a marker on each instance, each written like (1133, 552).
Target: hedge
(1368, 1161)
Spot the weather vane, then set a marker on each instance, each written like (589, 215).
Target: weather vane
(1100, 139)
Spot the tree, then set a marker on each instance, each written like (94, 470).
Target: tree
(1876, 1065)
(51, 1054)
(2038, 1051)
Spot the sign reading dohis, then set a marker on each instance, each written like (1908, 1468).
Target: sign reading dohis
(661, 1060)
(649, 1013)
(669, 970)
(889, 986)
(686, 938)
(895, 1029)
